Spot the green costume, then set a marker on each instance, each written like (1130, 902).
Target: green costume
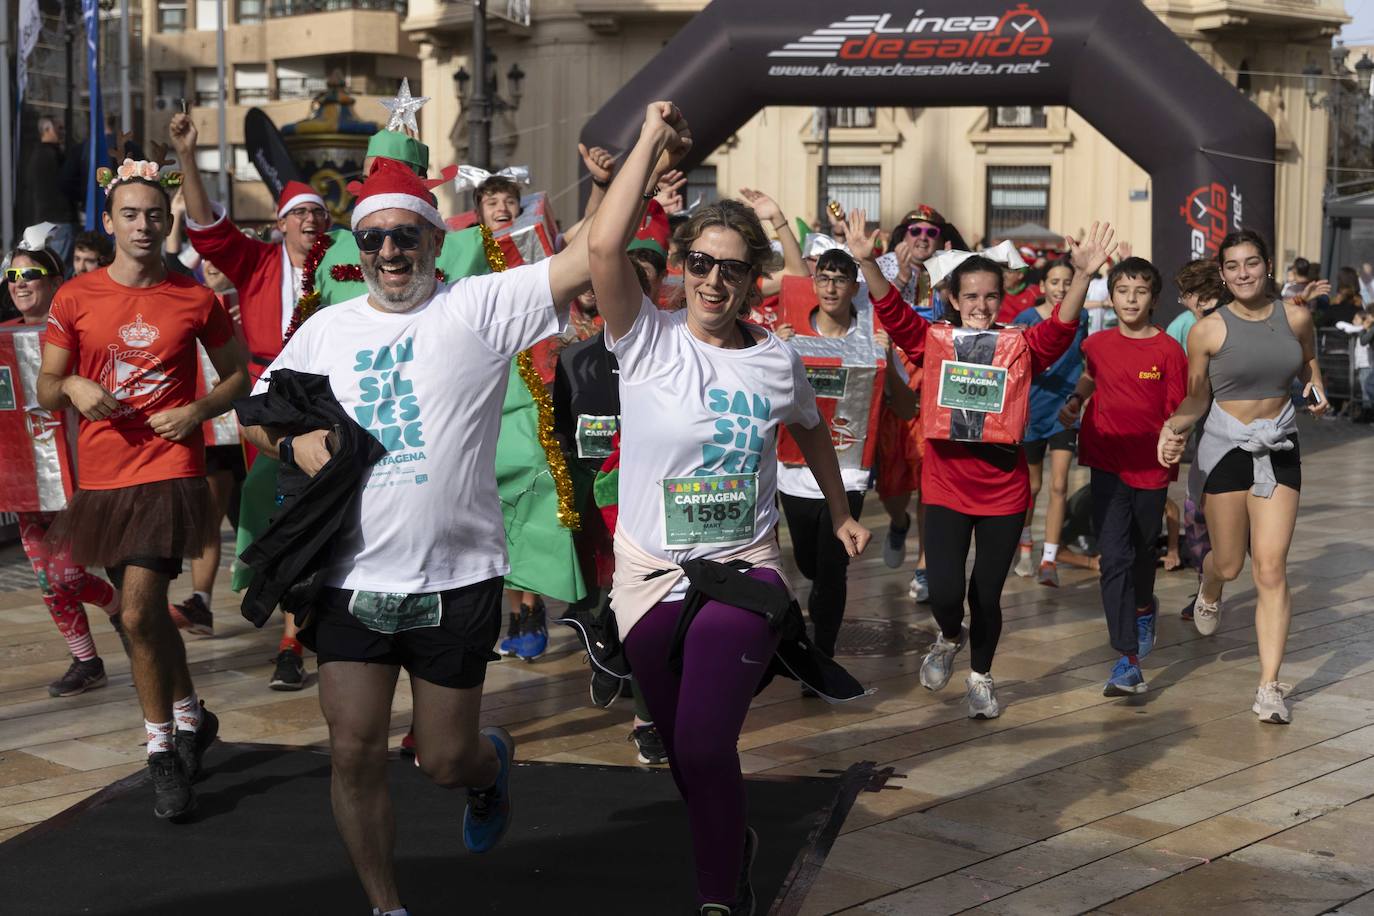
(542, 557)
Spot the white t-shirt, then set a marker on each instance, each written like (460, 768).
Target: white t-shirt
(799, 481)
(429, 385)
(691, 410)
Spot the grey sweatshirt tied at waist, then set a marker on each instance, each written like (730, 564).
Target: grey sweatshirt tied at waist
(1224, 432)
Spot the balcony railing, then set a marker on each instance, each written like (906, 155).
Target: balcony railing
(282, 8)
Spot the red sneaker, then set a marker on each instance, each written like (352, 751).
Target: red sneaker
(193, 616)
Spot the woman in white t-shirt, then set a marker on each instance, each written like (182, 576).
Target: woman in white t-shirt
(702, 395)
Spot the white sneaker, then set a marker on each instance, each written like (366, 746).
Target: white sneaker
(1269, 704)
(1025, 563)
(1206, 615)
(939, 661)
(982, 697)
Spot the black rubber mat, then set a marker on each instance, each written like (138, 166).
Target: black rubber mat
(585, 840)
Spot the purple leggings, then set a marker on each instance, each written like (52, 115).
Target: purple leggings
(700, 714)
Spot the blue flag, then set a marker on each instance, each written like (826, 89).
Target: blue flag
(97, 149)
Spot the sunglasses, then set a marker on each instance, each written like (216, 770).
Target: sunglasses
(407, 238)
(700, 264)
(27, 274)
(930, 232)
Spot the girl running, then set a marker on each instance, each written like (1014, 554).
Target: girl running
(974, 492)
(1243, 359)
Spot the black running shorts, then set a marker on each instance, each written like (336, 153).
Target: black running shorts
(453, 654)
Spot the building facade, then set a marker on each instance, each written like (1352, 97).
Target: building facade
(278, 55)
(984, 168)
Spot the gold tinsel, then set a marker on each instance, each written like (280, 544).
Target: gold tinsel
(524, 363)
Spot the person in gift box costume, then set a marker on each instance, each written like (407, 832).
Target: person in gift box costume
(975, 491)
(33, 278)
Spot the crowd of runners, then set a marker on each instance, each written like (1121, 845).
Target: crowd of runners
(681, 382)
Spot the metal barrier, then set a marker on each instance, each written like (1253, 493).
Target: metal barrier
(1336, 356)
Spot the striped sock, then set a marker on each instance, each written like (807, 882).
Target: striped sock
(81, 644)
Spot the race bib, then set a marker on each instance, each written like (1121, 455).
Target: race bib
(709, 511)
(594, 435)
(392, 612)
(828, 381)
(972, 386)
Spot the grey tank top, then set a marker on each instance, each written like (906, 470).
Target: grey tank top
(1258, 359)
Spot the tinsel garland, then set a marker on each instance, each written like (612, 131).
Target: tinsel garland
(524, 363)
(309, 302)
(353, 273)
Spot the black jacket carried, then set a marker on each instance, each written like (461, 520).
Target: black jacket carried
(288, 558)
(796, 657)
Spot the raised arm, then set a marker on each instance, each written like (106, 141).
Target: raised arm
(663, 140)
(601, 167)
(183, 133)
(1087, 257)
(768, 211)
(906, 328)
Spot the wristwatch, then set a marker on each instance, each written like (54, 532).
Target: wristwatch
(285, 452)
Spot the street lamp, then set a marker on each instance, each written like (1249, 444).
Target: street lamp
(1363, 71)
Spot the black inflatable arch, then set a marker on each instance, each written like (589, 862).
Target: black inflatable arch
(1206, 147)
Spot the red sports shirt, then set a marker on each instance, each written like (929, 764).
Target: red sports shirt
(140, 344)
(1140, 383)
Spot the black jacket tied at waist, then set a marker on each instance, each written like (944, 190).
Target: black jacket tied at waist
(289, 557)
(796, 656)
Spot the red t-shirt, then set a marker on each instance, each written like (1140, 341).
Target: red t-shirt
(1140, 382)
(1014, 304)
(140, 344)
(973, 478)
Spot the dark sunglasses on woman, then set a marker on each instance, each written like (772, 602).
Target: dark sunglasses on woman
(699, 264)
(930, 232)
(407, 238)
(27, 274)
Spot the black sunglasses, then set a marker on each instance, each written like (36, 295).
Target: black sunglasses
(699, 264)
(407, 238)
(27, 274)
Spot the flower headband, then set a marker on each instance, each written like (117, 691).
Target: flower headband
(129, 169)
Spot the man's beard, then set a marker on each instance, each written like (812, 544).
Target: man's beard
(416, 291)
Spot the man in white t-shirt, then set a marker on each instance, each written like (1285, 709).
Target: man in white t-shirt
(416, 576)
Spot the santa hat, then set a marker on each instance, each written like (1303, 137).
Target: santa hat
(653, 232)
(392, 186)
(294, 195)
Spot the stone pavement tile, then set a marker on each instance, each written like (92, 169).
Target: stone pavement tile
(79, 754)
(1360, 906)
(10, 833)
(1040, 806)
(1346, 834)
(836, 890)
(1043, 860)
(1211, 838)
(1090, 886)
(1229, 887)
(972, 837)
(17, 767)
(887, 806)
(1283, 861)
(895, 857)
(952, 893)
(31, 812)
(67, 784)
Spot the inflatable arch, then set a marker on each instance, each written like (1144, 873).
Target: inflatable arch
(1207, 148)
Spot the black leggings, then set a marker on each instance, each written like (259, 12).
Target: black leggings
(821, 558)
(947, 538)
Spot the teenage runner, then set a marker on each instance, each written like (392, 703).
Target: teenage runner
(1136, 375)
(1246, 355)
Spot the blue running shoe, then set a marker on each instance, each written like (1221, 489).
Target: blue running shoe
(1145, 629)
(533, 640)
(513, 629)
(487, 816)
(1126, 680)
